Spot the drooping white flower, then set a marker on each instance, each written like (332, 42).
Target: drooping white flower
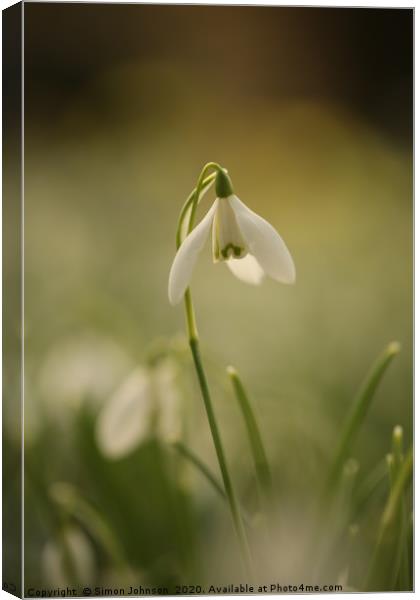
(146, 403)
(69, 560)
(167, 392)
(249, 245)
(124, 420)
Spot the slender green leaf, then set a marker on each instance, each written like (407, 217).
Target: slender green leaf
(257, 447)
(359, 411)
(198, 463)
(388, 518)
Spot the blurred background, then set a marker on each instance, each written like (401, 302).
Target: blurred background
(310, 109)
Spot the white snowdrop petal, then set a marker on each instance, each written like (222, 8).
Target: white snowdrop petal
(264, 243)
(186, 258)
(246, 269)
(52, 565)
(78, 550)
(124, 420)
(169, 401)
(82, 554)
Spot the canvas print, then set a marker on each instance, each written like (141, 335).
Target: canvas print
(216, 302)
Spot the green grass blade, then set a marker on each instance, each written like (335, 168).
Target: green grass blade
(401, 569)
(205, 471)
(198, 463)
(359, 410)
(391, 467)
(370, 485)
(402, 480)
(391, 511)
(397, 445)
(257, 448)
(400, 579)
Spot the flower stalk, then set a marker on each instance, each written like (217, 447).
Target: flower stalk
(234, 507)
(190, 207)
(251, 248)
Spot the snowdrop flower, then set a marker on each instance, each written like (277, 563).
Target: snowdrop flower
(146, 402)
(124, 420)
(247, 243)
(69, 560)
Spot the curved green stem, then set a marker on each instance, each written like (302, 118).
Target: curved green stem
(194, 198)
(191, 204)
(200, 186)
(187, 205)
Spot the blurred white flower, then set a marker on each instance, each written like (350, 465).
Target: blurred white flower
(83, 366)
(146, 402)
(169, 422)
(125, 419)
(69, 560)
(249, 245)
